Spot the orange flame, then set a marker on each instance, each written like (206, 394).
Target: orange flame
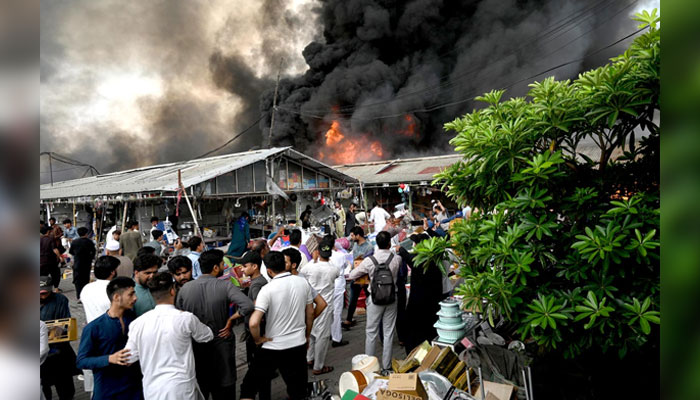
(340, 149)
(334, 136)
(410, 129)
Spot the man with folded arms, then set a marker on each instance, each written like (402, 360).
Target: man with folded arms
(208, 298)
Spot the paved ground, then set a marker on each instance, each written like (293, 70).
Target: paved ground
(338, 357)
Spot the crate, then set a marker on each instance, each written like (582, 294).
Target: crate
(62, 330)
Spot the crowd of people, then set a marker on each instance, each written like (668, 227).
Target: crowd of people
(160, 325)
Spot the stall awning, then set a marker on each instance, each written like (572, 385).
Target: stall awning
(163, 177)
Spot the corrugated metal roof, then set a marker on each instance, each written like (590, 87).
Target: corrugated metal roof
(158, 178)
(399, 170)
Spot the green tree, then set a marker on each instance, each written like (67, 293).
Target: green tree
(564, 245)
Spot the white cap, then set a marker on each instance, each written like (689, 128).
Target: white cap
(112, 245)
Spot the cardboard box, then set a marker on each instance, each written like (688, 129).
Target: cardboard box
(409, 384)
(413, 360)
(386, 394)
(498, 390)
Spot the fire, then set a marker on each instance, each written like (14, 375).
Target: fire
(410, 127)
(340, 149)
(334, 136)
(377, 149)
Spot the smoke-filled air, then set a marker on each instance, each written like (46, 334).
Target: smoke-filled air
(139, 83)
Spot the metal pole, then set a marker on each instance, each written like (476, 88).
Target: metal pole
(50, 168)
(274, 105)
(527, 394)
(469, 382)
(529, 379)
(481, 385)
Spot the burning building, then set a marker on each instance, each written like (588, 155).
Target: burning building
(386, 76)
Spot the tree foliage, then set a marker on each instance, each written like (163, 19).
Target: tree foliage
(565, 243)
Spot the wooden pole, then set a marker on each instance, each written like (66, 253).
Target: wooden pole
(189, 205)
(364, 204)
(73, 214)
(126, 205)
(102, 223)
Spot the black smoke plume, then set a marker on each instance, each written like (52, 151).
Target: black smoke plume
(383, 65)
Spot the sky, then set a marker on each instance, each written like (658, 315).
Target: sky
(128, 84)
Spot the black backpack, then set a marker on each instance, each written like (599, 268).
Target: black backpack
(382, 288)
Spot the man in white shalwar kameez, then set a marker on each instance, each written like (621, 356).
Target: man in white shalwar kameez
(321, 275)
(161, 339)
(340, 258)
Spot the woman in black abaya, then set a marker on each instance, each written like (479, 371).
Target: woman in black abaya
(423, 300)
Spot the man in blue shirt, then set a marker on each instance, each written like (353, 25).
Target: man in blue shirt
(102, 346)
(69, 231)
(196, 246)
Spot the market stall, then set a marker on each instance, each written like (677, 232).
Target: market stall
(407, 181)
(273, 185)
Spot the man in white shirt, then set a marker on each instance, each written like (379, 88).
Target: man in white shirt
(162, 340)
(379, 217)
(287, 304)
(95, 300)
(340, 258)
(154, 227)
(376, 314)
(321, 275)
(440, 215)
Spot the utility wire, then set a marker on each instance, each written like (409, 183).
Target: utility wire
(471, 96)
(60, 170)
(451, 83)
(231, 140)
(445, 79)
(67, 160)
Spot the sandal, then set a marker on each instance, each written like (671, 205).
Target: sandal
(323, 370)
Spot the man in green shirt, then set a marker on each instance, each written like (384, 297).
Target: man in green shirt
(130, 241)
(145, 267)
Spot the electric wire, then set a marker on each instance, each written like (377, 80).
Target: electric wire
(232, 139)
(452, 83)
(476, 93)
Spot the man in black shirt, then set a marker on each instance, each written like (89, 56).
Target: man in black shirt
(49, 257)
(251, 262)
(350, 220)
(83, 250)
(305, 218)
(59, 366)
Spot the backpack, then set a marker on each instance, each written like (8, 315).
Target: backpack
(382, 288)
